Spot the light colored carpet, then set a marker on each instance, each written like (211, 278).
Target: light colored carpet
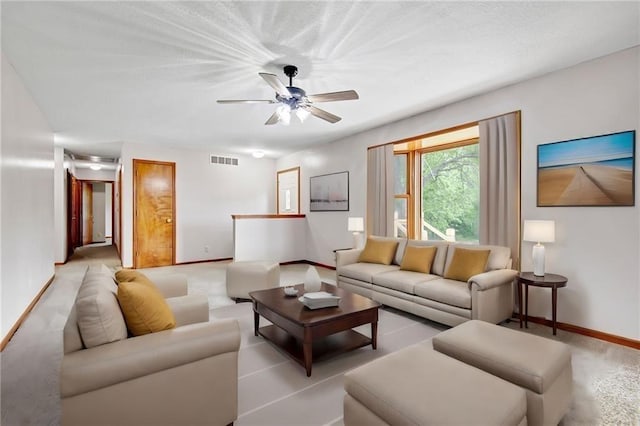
(273, 390)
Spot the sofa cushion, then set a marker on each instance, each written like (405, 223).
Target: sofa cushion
(402, 280)
(365, 271)
(402, 243)
(145, 310)
(418, 259)
(499, 258)
(98, 314)
(467, 263)
(451, 292)
(378, 251)
(437, 267)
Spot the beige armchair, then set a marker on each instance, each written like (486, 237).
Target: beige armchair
(185, 375)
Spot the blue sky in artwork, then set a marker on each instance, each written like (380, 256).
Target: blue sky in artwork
(589, 150)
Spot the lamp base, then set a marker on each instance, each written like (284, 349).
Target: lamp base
(538, 260)
(357, 240)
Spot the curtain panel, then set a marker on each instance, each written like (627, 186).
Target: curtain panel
(380, 191)
(500, 183)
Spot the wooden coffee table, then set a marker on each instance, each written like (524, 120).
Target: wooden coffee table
(310, 335)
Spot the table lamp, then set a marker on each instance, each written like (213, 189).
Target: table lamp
(539, 231)
(356, 225)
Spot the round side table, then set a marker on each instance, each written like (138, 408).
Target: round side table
(552, 281)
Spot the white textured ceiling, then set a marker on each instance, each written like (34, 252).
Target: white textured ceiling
(150, 72)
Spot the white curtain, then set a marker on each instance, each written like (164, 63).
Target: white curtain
(380, 191)
(500, 183)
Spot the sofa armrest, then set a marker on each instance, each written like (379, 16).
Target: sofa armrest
(170, 285)
(189, 309)
(347, 257)
(101, 366)
(491, 279)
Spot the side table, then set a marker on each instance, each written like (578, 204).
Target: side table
(552, 281)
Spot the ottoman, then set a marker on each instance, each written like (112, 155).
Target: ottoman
(419, 386)
(541, 366)
(244, 277)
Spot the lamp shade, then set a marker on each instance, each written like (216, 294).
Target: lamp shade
(539, 231)
(355, 224)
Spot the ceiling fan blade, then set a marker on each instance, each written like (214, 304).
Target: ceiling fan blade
(347, 95)
(320, 113)
(246, 101)
(273, 119)
(277, 85)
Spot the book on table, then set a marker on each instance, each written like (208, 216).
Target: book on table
(319, 299)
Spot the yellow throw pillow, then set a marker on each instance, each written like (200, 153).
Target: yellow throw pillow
(378, 251)
(467, 263)
(418, 259)
(128, 275)
(145, 310)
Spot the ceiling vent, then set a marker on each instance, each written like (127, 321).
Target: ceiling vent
(229, 161)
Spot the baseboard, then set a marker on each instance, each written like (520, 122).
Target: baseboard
(600, 335)
(191, 262)
(307, 262)
(59, 263)
(24, 315)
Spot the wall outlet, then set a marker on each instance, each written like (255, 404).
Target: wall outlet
(206, 249)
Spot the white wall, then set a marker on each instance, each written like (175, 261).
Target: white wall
(206, 197)
(598, 249)
(60, 205)
(99, 208)
(108, 209)
(88, 174)
(27, 188)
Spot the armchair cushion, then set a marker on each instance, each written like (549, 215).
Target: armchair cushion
(128, 275)
(145, 309)
(99, 317)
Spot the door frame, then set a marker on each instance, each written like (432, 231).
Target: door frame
(134, 169)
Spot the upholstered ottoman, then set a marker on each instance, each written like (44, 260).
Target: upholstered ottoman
(541, 366)
(244, 277)
(419, 386)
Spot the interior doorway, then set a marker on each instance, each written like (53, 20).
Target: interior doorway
(97, 208)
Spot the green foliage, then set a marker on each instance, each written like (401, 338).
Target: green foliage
(451, 191)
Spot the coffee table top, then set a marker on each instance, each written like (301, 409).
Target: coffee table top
(291, 308)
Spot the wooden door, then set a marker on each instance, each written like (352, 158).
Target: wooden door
(153, 213)
(74, 213)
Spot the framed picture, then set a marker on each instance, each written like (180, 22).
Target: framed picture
(593, 171)
(330, 192)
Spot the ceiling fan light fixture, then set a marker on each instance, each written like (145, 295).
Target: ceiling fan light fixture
(302, 114)
(284, 114)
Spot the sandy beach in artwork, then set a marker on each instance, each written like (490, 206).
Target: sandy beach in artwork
(585, 184)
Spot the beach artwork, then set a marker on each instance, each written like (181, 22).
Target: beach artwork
(330, 192)
(594, 171)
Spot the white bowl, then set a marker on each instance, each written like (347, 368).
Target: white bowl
(290, 291)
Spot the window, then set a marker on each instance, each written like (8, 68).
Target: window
(450, 194)
(447, 178)
(402, 195)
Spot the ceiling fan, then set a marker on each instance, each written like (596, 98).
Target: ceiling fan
(294, 99)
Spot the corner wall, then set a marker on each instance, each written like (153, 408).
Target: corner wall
(597, 248)
(26, 191)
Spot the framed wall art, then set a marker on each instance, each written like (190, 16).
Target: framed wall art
(592, 171)
(329, 192)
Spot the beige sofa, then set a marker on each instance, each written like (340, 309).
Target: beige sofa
(184, 375)
(487, 296)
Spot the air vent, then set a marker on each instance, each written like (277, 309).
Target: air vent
(216, 159)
